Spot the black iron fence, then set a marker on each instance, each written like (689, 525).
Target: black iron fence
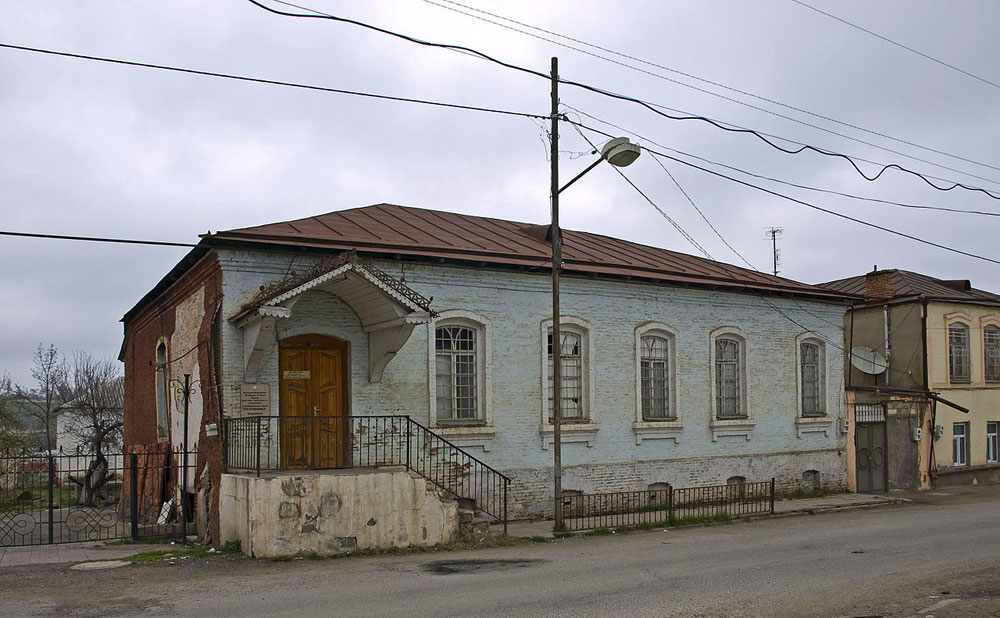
(667, 506)
(271, 443)
(72, 497)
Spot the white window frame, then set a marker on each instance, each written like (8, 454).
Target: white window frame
(738, 426)
(585, 429)
(161, 378)
(813, 423)
(464, 433)
(966, 324)
(992, 441)
(960, 445)
(666, 428)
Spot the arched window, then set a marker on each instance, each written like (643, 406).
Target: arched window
(571, 363)
(959, 365)
(457, 373)
(991, 353)
(575, 372)
(729, 380)
(654, 368)
(811, 378)
(162, 393)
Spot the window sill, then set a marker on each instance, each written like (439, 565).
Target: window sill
(572, 432)
(657, 430)
(467, 435)
(813, 424)
(738, 427)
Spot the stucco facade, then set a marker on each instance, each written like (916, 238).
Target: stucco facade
(940, 406)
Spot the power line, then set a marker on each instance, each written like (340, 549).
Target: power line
(128, 241)
(717, 233)
(897, 44)
(804, 203)
(700, 79)
(722, 265)
(651, 107)
(272, 82)
(784, 182)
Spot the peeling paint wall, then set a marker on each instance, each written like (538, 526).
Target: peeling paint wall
(333, 512)
(184, 343)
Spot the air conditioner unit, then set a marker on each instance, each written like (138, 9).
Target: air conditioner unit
(917, 432)
(938, 431)
(845, 425)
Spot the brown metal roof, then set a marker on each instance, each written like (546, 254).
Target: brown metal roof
(910, 285)
(418, 233)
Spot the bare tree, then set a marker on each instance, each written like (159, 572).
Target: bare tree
(42, 401)
(11, 437)
(92, 416)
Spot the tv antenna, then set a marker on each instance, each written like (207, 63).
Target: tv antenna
(773, 233)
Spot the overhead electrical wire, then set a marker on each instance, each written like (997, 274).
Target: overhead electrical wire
(272, 82)
(780, 181)
(722, 265)
(443, 4)
(127, 241)
(897, 44)
(802, 202)
(651, 107)
(710, 225)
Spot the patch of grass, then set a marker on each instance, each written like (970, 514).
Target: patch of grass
(539, 539)
(24, 499)
(231, 546)
(623, 529)
(600, 531)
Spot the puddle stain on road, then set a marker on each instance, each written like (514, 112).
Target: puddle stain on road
(460, 567)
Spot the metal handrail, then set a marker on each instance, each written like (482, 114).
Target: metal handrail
(366, 441)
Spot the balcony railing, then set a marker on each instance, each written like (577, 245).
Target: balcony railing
(259, 444)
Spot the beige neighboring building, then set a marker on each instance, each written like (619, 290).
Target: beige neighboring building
(929, 416)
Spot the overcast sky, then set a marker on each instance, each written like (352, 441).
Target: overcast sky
(96, 149)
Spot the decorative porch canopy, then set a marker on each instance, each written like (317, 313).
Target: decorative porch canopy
(388, 309)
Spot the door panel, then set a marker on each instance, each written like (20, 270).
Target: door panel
(328, 401)
(870, 447)
(296, 442)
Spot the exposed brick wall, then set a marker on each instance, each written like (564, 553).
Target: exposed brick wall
(879, 284)
(531, 488)
(143, 330)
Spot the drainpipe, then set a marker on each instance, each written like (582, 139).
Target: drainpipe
(923, 340)
(885, 323)
(850, 350)
(931, 463)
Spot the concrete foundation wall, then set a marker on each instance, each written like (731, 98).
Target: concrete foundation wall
(333, 512)
(531, 488)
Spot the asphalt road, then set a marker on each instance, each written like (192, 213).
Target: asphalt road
(939, 556)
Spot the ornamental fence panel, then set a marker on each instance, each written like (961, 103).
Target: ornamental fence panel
(59, 497)
(669, 506)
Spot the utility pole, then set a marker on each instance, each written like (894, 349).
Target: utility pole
(773, 234)
(556, 340)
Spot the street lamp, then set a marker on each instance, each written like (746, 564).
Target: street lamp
(620, 153)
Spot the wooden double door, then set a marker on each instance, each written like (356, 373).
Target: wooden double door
(314, 427)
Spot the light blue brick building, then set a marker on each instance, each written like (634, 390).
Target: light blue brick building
(676, 370)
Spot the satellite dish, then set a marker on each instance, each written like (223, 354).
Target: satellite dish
(868, 360)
